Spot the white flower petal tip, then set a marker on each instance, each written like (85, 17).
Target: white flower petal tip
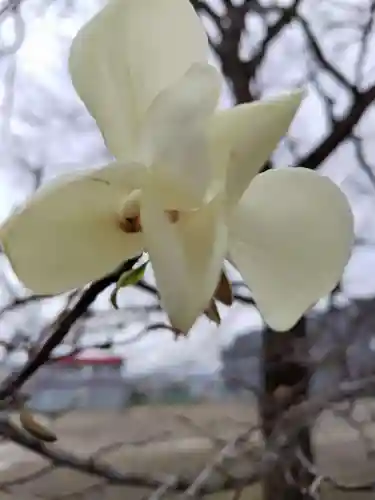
(68, 233)
(282, 322)
(243, 138)
(206, 77)
(295, 97)
(291, 238)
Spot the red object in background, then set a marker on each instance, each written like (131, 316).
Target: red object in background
(89, 361)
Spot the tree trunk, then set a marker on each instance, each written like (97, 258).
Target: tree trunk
(285, 382)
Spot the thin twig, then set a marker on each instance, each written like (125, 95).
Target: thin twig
(16, 380)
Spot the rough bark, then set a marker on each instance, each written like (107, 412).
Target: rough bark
(285, 383)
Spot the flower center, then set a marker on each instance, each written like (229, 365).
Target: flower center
(133, 224)
(129, 219)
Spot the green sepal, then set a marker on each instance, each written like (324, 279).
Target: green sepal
(126, 279)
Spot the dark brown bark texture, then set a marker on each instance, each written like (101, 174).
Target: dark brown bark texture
(285, 383)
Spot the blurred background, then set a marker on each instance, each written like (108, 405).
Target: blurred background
(45, 130)
(116, 359)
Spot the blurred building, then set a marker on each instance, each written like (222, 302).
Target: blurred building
(341, 342)
(85, 382)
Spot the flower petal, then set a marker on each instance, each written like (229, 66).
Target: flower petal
(290, 238)
(174, 139)
(126, 55)
(187, 257)
(243, 138)
(68, 234)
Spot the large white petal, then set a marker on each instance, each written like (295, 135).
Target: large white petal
(126, 55)
(244, 137)
(290, 238)
(68, 234)
(174, 136)
(187, 257)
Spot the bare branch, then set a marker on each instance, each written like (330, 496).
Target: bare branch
(288, 14)
(201, 6)
(279, 446)
(363, 163)
(62, 458)
(321, 58)
(163, 489)
(228, 451)
(341, 131)
(146, 287)
(27, 477)
(15, 381)
(365, 45)
(22, 301)
(10, 5)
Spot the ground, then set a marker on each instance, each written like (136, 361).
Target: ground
(168, 439)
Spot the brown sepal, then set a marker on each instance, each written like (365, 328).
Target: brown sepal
(223, 292)
(212, 313)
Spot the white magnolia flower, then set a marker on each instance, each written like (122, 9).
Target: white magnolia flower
(180, 182)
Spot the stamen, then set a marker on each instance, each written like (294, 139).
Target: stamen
(137, 224)
(133, 224)
(173, 215)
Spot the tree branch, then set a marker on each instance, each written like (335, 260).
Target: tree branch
(281, 442)
(22, 301)
(15, 381)
(321, 58)
(342, 130)
(288, 14)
